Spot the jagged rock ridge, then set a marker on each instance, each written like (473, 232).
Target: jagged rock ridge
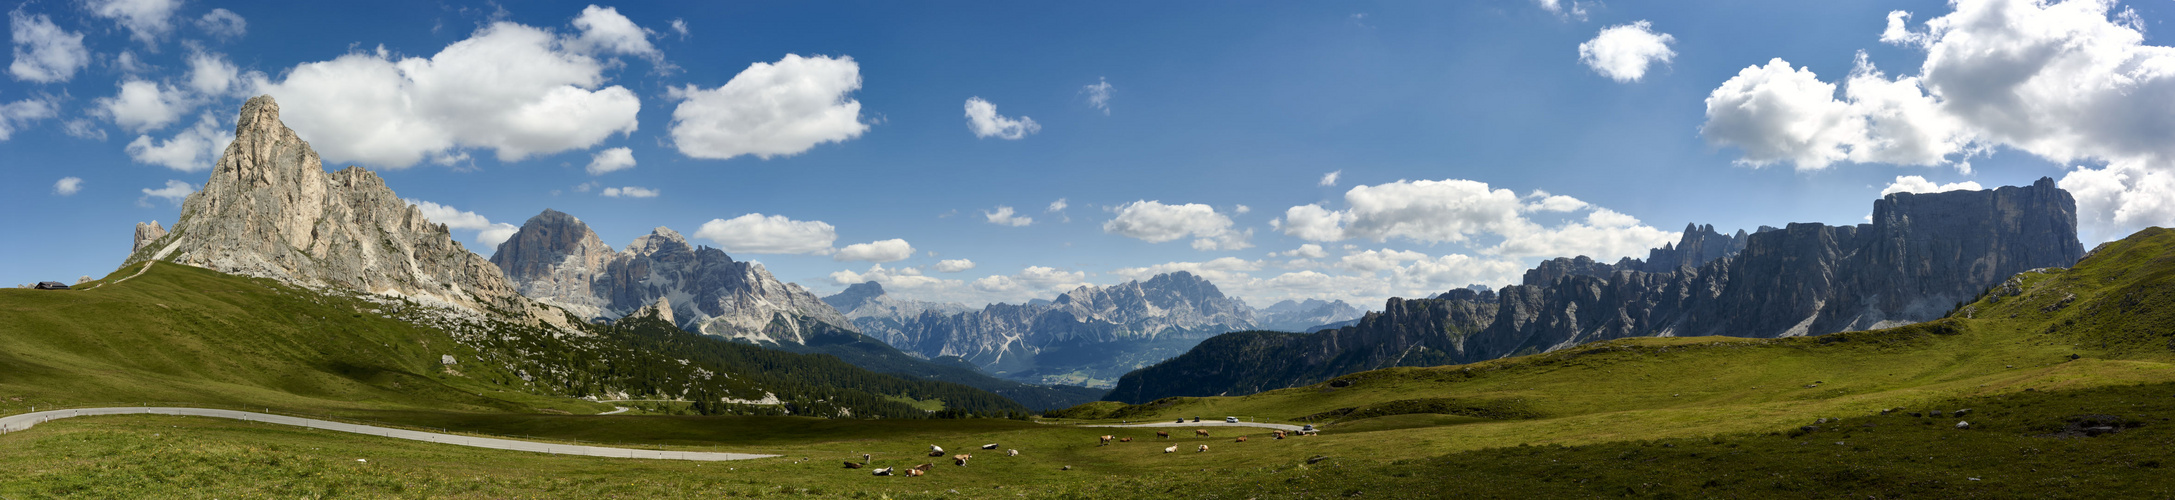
(271, 210)
(1920, 256)
(1089, 335)
(556, 258)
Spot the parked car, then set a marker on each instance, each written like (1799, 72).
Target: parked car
(1230, 420)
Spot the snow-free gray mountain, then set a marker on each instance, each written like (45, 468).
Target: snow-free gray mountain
(557, 259)
(1087, 336)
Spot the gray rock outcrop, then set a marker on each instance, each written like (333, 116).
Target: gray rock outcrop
(147, 232)
(555, 258)
(271, 210)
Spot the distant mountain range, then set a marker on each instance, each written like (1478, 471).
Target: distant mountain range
(1088, 336)
(1920, 256)
(555, 258)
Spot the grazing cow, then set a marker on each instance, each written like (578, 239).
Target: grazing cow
(936, 449)
(924, 467)
(1171, 449)
(882, 472)
(1279, 434)
(990, 446)
(961, 459)
(1106, 440)
(936, 453)
(1163, 434)
(914, 472)
(851, 465)
(1125, 440)
(1200, 433)
(1011, 453)
(1242, 439)
(1204, 448)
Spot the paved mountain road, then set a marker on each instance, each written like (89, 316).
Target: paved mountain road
(25, 421)
(1206, 423)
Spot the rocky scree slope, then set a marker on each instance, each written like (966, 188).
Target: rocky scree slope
(1921, 256)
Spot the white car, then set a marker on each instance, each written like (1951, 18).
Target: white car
(1230, 420)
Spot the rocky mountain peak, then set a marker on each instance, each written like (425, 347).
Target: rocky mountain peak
(147, 232)
(659, 240)
(270, 210)
(855, 296)
(553, 259)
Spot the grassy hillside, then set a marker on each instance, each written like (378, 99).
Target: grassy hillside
(182, 334)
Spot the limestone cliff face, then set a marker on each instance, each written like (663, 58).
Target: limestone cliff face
(1920, 256)
(147, 232)
(557, 259)
(271, 210)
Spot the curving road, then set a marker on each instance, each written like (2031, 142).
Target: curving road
(25, 421)
(1206, 423)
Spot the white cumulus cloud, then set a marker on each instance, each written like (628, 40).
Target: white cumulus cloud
(192, 149)
(1464, 211)
(2068, 81)
(758, 233)
(67, 186)
(1031, 281)
(1916, 184)
(223, 24)
(174, 192)
(14, 115)
(891, 250)
(210, 74)
(1155, 222)
(629, 192)
(954, 265)
(511, 88)
(44, 52)
(144, 105)
(770, 110)
(1098, 95)
(1004, 216)
(489, 234)
(603, 30)
(146, 20)
(1330, 179)
(1624, 52)
(983, 120)
(611, 160)
(1567, 9)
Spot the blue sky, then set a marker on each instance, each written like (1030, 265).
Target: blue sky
(810, 135)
